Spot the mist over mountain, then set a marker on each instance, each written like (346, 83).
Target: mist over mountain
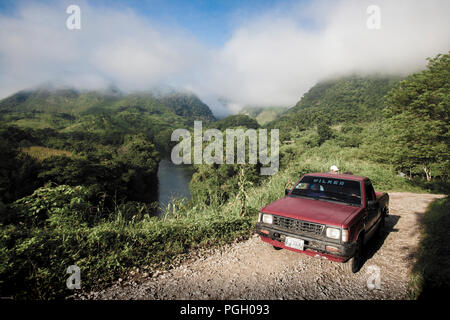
(269, 57)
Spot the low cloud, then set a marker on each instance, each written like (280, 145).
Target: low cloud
(274, 59)
(270, 59)
(113, 46)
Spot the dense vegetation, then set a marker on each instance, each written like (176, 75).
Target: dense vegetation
(97, 149)
(238, 120)
(105, 117)
(351, 99)
(125, 171)
(416, 131)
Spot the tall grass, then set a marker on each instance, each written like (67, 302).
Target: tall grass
(42, 153)
(60, 229)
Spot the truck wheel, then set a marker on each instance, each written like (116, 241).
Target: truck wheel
(277, 248)
(354, 264)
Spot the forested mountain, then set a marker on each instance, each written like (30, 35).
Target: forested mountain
(187, 105)
(72, 101)
(109, 114)
(352, 98)
(46, 99)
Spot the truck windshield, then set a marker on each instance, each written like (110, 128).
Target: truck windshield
(347, 191)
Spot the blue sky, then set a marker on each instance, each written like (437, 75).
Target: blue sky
(210, 21)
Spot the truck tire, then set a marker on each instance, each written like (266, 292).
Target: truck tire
(354, 263)
(277, 248)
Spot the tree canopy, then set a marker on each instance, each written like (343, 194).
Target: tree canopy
(417, 119)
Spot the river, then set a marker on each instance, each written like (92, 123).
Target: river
(173, 182)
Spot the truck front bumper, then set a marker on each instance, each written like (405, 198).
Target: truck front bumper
(340, 252)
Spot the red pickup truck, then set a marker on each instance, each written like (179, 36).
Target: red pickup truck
(326, 215)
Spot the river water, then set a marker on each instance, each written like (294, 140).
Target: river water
(173, 182)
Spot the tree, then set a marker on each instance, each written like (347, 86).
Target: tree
(17, 172)
(237, 120)
(139, 160)
(323, 130)
(417, 115)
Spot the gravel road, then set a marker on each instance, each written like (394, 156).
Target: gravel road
(252, 269)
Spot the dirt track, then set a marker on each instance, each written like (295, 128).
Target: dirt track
(254, 270)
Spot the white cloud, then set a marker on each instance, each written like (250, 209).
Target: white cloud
(274, 59)
(112, 46)
(270, 59)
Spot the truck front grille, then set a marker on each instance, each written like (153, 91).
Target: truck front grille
(298, 225)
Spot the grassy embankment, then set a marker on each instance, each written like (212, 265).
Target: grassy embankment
(430, 277)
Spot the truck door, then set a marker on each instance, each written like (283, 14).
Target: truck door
(373, 213)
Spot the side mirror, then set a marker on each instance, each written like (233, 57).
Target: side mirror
(286, 191)
(372, 204)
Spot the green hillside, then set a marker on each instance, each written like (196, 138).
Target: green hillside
(187, 105)
(109, 114)
(55, 101)
(236, 120)
(352, 98)
(74, 102)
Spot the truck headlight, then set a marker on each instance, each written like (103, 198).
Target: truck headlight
(267, 218)
(344, 235)
(333, 233)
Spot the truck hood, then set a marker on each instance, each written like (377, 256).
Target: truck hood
(318, 211)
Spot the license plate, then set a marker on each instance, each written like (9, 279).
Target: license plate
(294, 243)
